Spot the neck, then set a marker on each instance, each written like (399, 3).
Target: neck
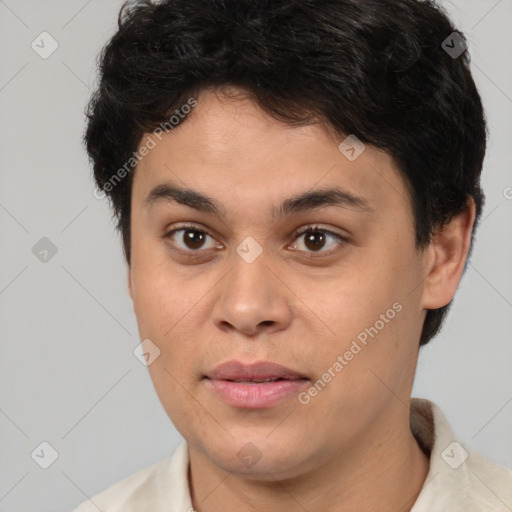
(385, 472)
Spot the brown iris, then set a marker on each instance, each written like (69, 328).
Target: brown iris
(314, 240)
(193, 239)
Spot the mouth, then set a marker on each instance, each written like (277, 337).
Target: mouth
(257, 381)
(264, 371)
(255, 386)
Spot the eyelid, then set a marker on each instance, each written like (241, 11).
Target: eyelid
(316, 227)
(185, 226)
(341, 239)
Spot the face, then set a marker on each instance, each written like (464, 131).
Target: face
(223, 277)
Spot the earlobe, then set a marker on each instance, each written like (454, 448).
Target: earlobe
(447, 256)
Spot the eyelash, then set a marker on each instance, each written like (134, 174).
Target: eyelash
(318, 229)
(296, 234)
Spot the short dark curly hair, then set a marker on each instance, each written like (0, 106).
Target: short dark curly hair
(380, 69)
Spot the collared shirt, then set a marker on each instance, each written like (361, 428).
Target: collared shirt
(459, 479)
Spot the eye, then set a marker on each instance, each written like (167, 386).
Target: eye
(191, 238)
(316, 239)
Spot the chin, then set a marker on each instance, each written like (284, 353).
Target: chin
(259, 457)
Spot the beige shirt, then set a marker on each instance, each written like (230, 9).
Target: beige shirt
(459, 480)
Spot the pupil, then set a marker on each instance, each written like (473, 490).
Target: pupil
(193, 239)
(315, 240)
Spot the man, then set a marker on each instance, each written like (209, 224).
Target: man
(297, 188)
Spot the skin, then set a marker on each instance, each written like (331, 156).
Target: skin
(350, 447)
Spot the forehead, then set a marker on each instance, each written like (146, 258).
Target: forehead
(231, 150)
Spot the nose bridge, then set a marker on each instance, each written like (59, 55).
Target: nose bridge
(249, 277)
(250, 296)
(249, 283)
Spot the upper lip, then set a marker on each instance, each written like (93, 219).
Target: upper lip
(235, 370)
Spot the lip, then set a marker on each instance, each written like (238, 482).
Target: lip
(235, 370)
(240, 384)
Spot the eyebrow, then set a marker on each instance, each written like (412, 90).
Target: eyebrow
(309, 200)
(319, 198)
(185, 196)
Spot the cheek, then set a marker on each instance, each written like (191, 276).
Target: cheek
(169, 312)
(356, 296)
(158, 300)
(371, 312)
(157, 294)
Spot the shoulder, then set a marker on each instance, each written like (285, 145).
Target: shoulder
(459, 477)
(156, 484)
(488, 483)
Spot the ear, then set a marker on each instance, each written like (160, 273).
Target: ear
(446, 258)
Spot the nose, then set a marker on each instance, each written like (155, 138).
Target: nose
(251, 299)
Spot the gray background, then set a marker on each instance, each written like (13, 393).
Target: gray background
(67, 372)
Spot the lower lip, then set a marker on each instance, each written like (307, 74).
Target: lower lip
(257, 395)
